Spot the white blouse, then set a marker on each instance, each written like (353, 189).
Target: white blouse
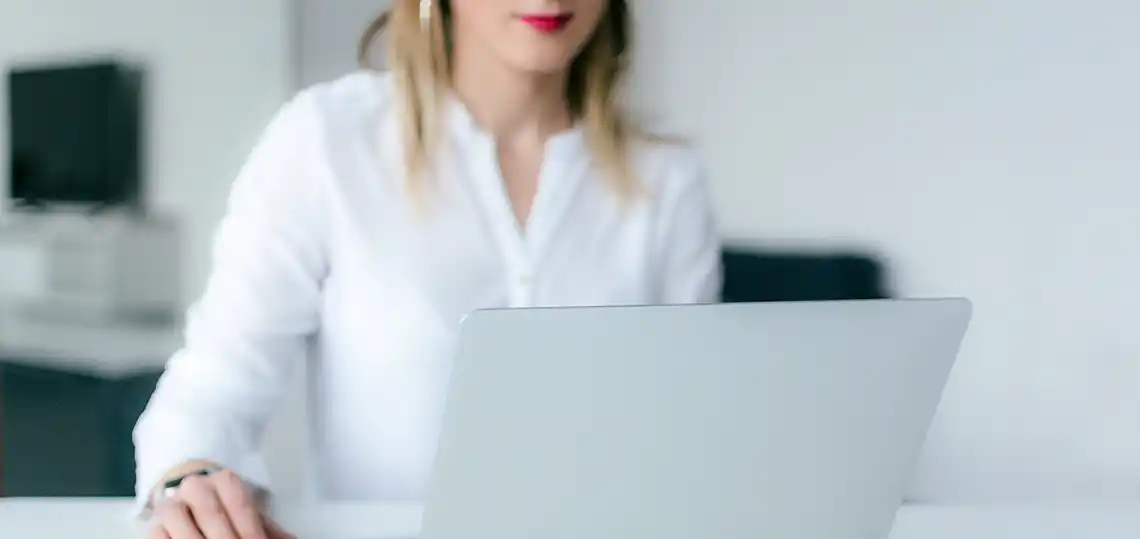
(324, 258)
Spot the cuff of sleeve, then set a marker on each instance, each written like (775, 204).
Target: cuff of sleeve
(250, 467)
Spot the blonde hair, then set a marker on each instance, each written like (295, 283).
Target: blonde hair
(420, 60)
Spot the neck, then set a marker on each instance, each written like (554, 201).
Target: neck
(514, 107)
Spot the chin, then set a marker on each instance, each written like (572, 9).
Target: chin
(545, 64)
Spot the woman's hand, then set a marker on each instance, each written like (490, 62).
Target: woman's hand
(216, 506)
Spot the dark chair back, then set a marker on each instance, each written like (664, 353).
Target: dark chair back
(753, 275)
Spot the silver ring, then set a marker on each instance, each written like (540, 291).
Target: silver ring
(425, 14)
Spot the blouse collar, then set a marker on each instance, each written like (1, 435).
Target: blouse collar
(565, 144)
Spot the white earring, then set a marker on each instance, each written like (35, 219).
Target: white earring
(425, 14)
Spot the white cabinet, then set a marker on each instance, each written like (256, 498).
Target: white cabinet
(90, 267)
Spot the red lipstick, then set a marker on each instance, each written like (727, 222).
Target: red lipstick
(548, 24)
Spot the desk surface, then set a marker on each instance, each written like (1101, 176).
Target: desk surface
(110, 519)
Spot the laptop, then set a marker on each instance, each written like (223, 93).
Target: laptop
(750, 421)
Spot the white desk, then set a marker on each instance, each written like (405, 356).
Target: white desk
(109, 519)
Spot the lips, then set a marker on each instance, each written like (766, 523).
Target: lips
(548, 24)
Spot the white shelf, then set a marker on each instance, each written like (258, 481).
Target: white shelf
(106, 351)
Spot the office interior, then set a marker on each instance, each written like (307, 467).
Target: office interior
(886, 150)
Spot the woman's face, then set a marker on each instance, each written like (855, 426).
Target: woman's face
(541, 36)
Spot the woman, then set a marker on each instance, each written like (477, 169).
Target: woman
(489, 167)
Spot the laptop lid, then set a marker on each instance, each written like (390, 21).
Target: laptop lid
(725, 421)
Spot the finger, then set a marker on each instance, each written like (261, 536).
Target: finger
(275, 531)
(240, 508)
(201, 496)
(175, 522)
(158, 533)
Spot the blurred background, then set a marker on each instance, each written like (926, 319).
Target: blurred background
(885, 148)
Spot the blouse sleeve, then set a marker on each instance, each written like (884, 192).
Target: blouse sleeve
(691, 246)
(247, 336)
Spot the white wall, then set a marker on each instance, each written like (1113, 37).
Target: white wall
(985, 149)
(329, 36)
(217, 71)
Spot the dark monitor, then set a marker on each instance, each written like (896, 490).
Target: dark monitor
(75, 133)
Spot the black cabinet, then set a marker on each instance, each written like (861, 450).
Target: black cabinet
(68, 435)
